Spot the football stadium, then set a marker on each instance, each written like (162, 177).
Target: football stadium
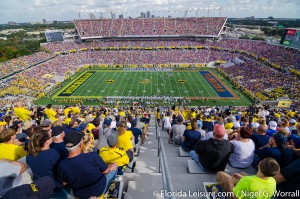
(151, 107)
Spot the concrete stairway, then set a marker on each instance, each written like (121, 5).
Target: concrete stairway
(183, 182)
(146, 180)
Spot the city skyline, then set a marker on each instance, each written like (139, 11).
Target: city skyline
(64, 10)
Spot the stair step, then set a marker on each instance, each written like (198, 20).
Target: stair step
(145, 185)
(182, 153)
(194, 168)
(146, 166)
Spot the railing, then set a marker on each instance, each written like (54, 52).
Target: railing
(163, 167)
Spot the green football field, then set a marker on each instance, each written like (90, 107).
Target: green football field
(97, 84)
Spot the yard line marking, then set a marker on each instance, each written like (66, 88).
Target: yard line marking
(130, 91)
(196, 84)
(177, 84)
(190, 85)
(96, 90)
(113, 86)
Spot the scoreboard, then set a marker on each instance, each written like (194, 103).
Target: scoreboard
(291, 37)
(54, 36)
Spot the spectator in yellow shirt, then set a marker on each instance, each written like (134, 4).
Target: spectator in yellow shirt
(113, 154)
(8, 149)
(50, 113)
(125, 138)
(22, 112)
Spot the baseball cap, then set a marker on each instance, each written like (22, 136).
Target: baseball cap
(82, 126)
(272, 125)
(236, 125)
(73, 138)
(112, 139)
(296, 140)
(27, 124)
(254, 125)
(292, 121)
(46, 123)
(107, 121)
(40, 188)
(237, 117)
(219, 130)
(57, 130)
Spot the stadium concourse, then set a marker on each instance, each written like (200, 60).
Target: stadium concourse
(61, 149)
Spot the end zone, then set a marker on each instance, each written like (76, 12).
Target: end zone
(221, 89)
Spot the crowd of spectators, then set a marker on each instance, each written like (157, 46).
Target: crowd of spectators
(152, 26)
(75, 147)
(218, 137)
(22, 63)
(264, 81)
(281, 56)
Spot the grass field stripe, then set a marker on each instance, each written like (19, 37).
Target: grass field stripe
(132, 83)
(185, 88)
(200, 79)
(106, 87)
(157, 82)
(165, 90)
(171, 88)
(95, 82)
(125, 86)
(176, 83)
(99, 85)
(113, 86)
(151, 74)
(199, 88)
(187, 79)
(136, 93)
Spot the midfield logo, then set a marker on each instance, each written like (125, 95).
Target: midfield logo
(110, 81)
(183, 81)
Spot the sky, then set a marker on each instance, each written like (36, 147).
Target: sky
(37, 10)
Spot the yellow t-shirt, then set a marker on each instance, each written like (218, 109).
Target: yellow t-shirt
(76, 110)
(90, 127)
(22, 113)
(67, 121)
(124, 141)
(67, 110)
(157, 114)
(122, 114)
(229, 125)
(193, 114)
(51, 114)
(185, 114)
(111, 155)
(11, 151)
(254, 187)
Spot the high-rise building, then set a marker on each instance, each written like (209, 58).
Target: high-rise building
(143, 15)
(121, 16)
(44, 21)
(148, 14)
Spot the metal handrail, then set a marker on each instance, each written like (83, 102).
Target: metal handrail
(163, 167)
